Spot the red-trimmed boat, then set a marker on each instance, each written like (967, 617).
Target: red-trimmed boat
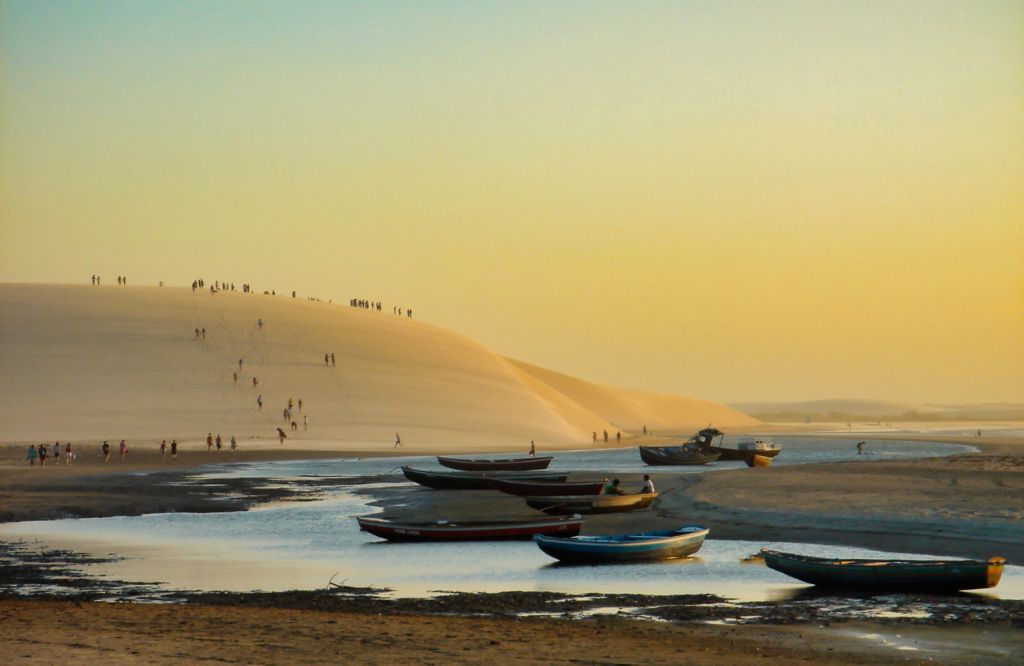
(504, 464)
(443, 530)
(545, 488)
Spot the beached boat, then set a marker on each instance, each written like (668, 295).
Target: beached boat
(504, 464)
(746, 450)
(758, 460)
(645, 546)
(933, 576)
(458, 530)
(474, 480)
(562, 504)
(542, 488)
(686, 454)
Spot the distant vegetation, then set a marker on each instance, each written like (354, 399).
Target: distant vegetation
(876, 411)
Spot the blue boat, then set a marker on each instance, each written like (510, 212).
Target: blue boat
(642, 547)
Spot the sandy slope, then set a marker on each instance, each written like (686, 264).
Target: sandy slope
(89, 363)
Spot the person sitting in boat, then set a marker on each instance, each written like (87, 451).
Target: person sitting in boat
(648, 485)
(611, 488)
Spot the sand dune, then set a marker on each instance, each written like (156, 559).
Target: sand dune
(89, 363)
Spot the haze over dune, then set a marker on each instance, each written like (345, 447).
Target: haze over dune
(88, 363)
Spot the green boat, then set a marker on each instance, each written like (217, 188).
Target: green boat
(934, 576)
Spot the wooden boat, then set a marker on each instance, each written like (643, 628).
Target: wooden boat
(474, 480)
(676, 455)
(562, 504)
(542, 488)
(746, 450)
(642, 547)
(889, 575)
(505, 464)
(443, 530)
(757, 460)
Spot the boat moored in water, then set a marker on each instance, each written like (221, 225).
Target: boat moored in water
(563, 504)
(642, 547)
(474, 480)
(696, 451)
(928, 576)
(443, 530)
(745, 451)
(504, 464)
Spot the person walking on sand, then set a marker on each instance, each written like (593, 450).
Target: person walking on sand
(106, 451)
(645, 429)
(209, 442)
(398, 441)
(163, 451)
(174, 449)
(533, 449)
(203, 331)
(32, 455)
(605, 436)
(305, 422)
(197, 333)
(235, 375)
(648, 485)
(218, 442)
(295, 426)
(300, 405)
(333, 364)
(255, 381)
(234, 445)
(259, 402)
(56, 453)
(281, 436)
(240, 362)
(42, 455)
(68, 454)
(124, 451)
(327, 360)
(595, 437)
(618, 437)
(259, 323)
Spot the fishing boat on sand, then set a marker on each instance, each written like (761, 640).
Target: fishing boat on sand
(696, 451)
(928, 576)
(542, 488)
(563, 504)
(504, 464)
(642, 547)
(474, 480)
(443, 530)
(758, 461)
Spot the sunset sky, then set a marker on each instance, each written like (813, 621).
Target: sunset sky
(733, 201)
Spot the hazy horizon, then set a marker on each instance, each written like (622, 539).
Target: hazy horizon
(775, 201)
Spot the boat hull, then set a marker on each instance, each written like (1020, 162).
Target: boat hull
(473, 480)
(395, 530)
(928, 576)
(744, 455)
(757, 460)
(675, 455)
(546, 488)
(509, 464)
(566, 504)
(644, 547)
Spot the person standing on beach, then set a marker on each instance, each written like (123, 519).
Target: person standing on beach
(333, 364)
(174, 449)
(240, 361)
(209, 442)
(42, 455)
(281, 436)
(124, 451)
(68, 454)
(595, 437)
(255, 382)
(234, 445)
(398, 441)
(645, 429)
(259, 323)
(32, 455)
(163, 450)
(56, 453)
(327, 360)
(618, 437)
(305, 422)
(259, 402)
(235, 375)
(533, 449)
(106, 451)
(605, 436)
(218, 442)
(203, 332)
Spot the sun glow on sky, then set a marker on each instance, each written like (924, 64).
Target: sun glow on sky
(730, 200)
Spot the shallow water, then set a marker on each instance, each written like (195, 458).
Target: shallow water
(301, 545)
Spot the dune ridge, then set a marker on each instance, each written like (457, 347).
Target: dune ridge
(89, 363)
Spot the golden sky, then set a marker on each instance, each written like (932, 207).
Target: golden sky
(734, 201)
